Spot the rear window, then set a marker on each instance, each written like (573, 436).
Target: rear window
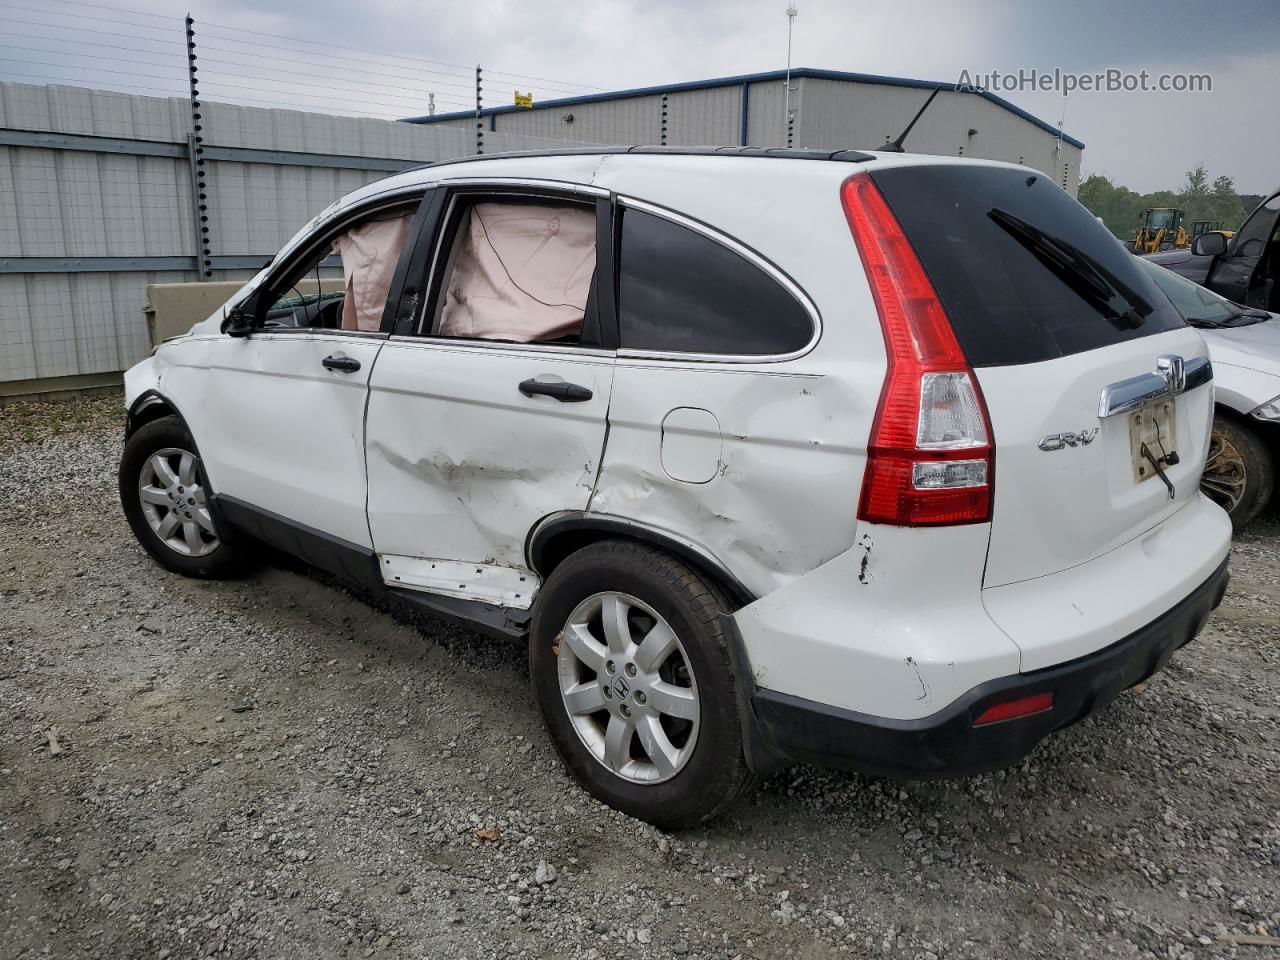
(1024, 272)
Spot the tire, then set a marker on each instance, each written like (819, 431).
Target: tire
(706, 770)
(1239, 472)
(169, 440)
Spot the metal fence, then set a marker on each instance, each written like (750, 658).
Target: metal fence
(147, 148)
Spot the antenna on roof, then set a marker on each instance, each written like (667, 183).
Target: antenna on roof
(895, 146)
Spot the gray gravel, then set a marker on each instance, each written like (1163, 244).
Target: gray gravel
(274, 768)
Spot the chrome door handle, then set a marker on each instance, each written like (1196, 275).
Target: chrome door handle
(345, 364)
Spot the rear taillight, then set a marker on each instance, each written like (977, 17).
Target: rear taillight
(931, 459)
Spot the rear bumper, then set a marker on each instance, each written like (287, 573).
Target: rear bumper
(946, 743)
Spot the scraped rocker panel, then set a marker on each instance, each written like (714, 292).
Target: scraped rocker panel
(485, 582)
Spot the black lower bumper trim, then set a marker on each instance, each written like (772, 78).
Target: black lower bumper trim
(947, 744)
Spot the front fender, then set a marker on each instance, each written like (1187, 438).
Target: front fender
(143, 378)
(1242, 389)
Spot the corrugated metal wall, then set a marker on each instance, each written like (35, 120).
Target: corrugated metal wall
(90, 203)
(705, 117)
(837, 113)
(828, 113)
(766, 112)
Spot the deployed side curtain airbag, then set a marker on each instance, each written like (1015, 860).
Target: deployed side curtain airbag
(522, 272)
(370, 252)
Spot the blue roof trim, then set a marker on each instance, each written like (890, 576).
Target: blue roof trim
(755, 78)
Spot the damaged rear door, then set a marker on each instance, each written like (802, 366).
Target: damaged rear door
(472, 435)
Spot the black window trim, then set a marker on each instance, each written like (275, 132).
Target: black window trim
(452, 192)
(768, 267)
(324, 230)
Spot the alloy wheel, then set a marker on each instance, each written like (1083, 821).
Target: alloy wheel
(628, 687)
(174, 502)
(1225, 473)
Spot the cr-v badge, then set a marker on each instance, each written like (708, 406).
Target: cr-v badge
(1056, 441)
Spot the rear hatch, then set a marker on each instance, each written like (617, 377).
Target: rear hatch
(1058, 321)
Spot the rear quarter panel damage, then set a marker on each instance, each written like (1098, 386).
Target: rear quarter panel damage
(783, 499)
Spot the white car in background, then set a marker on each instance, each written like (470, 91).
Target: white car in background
(1244, 343)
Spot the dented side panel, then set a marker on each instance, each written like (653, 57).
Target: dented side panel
(790, 450)
(461, 463)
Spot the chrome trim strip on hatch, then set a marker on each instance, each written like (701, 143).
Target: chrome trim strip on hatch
(1172, 376)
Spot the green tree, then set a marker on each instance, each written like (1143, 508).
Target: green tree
(1225, 204)
(1119, 207)
(1200, 198)
(1197, 183)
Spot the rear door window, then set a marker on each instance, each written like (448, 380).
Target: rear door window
(1024, 272)
(517, 269)
(680, 291)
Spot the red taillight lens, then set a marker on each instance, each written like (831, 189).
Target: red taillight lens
(931, 459)
(1025, 707)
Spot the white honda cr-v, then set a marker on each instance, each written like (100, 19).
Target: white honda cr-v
(875, 461)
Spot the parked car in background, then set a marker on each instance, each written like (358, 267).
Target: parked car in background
(1243, 268)
(803, 478)
(1244, 344)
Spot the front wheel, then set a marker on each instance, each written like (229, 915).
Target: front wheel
(631, 669)
(165, 498)
(1239, 474)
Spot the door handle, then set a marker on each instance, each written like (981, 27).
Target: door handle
(345, 364)
(564, 392)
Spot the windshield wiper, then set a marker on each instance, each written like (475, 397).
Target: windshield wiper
(1079, 271)
(1204, 322)
(1246, 318)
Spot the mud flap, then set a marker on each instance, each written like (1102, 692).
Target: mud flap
(762, 759)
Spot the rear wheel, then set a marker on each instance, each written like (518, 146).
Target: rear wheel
(631, 669)
(166, 501)
(1239, 474)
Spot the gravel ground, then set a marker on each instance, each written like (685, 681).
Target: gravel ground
(274, 768)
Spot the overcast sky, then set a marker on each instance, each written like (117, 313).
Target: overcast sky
(1143, 140)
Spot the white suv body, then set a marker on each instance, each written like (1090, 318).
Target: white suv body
(1029, 564)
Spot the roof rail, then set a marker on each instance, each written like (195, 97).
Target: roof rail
(781, 153)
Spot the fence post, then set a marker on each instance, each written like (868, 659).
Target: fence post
(195, 151)
(663, 139)
(479, 121)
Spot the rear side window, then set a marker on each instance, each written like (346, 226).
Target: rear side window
(1024, 272)
(682, 292)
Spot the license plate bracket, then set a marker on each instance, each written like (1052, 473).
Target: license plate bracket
(1156, 426)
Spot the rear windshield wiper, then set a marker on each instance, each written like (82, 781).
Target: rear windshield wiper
(1079, 271)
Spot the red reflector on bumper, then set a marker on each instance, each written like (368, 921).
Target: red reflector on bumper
(1037, 703)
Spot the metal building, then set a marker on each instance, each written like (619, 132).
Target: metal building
(829, 108)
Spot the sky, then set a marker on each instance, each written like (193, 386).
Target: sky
(1145, 141)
